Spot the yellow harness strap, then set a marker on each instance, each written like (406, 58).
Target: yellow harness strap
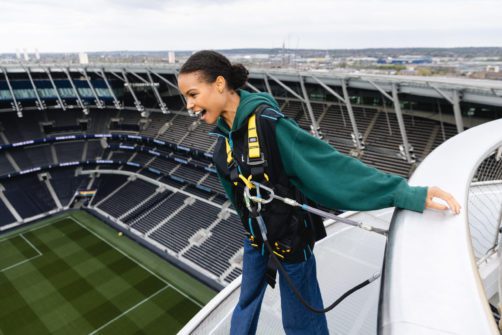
(229, 152)
(253, 149)
(253, 142)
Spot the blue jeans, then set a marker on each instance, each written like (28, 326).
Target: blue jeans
(296, 319)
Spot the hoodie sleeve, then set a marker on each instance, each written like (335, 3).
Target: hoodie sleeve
(338, 181)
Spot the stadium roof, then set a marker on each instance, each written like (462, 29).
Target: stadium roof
(488, 92)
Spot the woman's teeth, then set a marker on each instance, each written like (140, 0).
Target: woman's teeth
(201, 113)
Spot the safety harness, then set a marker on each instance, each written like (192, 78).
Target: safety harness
(249, 155)
(283, 225)
(255, 157)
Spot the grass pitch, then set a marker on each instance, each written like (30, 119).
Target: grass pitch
(73, 274)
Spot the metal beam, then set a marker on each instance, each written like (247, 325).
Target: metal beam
(40, 103)
(286, 87)
(162, 104)
(117, 76)
(97, 100)
(441, 93)
(267, 85)
(381, 90)
(139, 77)
(117, 103)
(397, 107)
(60, 100)
(168, 82)
(329, 89)
(79, 98)
(457, 111)
(455, 101)
(137, 103)
(252, 87)
(348, 104)
(15, 104)
(315, 126)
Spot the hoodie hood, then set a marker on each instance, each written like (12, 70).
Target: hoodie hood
(249, 102)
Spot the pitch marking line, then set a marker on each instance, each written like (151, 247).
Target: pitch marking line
(141, 265)
(26, 260)
(27, 241)
(128, 310)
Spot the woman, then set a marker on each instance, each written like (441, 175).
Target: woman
(297, 164)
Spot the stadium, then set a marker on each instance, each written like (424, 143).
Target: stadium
(112, 218)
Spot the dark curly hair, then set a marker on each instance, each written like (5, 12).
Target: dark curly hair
(213, 64)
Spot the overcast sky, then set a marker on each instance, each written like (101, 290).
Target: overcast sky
(105, 25)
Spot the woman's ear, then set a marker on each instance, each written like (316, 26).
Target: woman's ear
(220, 83)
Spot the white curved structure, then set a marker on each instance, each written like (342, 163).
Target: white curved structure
(345, 258)
(431, 281)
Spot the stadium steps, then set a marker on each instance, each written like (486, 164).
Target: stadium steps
(54, 154)
(173, 214)
(157, 212)
(146, 207)
(105, 185)
(84, 151)
(9, 206)
(430, 142)
(52, 193)
(370, 126)
(134, 208)
(236, 272)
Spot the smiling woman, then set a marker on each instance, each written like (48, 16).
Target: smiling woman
(258, 144)
(209, 83)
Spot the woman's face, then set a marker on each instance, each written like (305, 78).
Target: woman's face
(204, 99)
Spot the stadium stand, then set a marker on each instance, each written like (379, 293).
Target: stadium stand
(122, 200)
(66, 183)
(28, 195)
(215, 252)
(6, 216)
(190, 223)
(107, 185)
(156, 215)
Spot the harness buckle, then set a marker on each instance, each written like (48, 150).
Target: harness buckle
(256, 161)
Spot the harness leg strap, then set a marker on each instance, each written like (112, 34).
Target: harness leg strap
(271, 272)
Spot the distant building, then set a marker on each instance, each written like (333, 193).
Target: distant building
(171, 57)
(493, 68)
(404, 60)
(26, 56)
(83, 58)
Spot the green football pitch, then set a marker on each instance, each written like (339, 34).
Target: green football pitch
(73, 274)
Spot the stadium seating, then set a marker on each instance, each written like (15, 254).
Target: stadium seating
(188, 227)
(28, 195)
(122, 200)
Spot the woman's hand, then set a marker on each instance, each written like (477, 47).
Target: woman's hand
(436, 192)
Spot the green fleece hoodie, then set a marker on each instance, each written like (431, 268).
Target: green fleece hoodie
(324, 175)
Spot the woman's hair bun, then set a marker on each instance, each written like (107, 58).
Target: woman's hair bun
(238, 76)
(213, 64)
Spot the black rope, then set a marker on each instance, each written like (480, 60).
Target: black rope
(298, 294)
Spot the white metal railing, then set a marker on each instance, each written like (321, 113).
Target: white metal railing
(432, 283)
(485, 217)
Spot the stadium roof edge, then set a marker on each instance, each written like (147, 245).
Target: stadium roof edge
(488, 92)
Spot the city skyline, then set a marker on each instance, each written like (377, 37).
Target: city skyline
(109, 25)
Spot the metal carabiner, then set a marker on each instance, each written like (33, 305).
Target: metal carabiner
(258, 198)
(248, 198)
